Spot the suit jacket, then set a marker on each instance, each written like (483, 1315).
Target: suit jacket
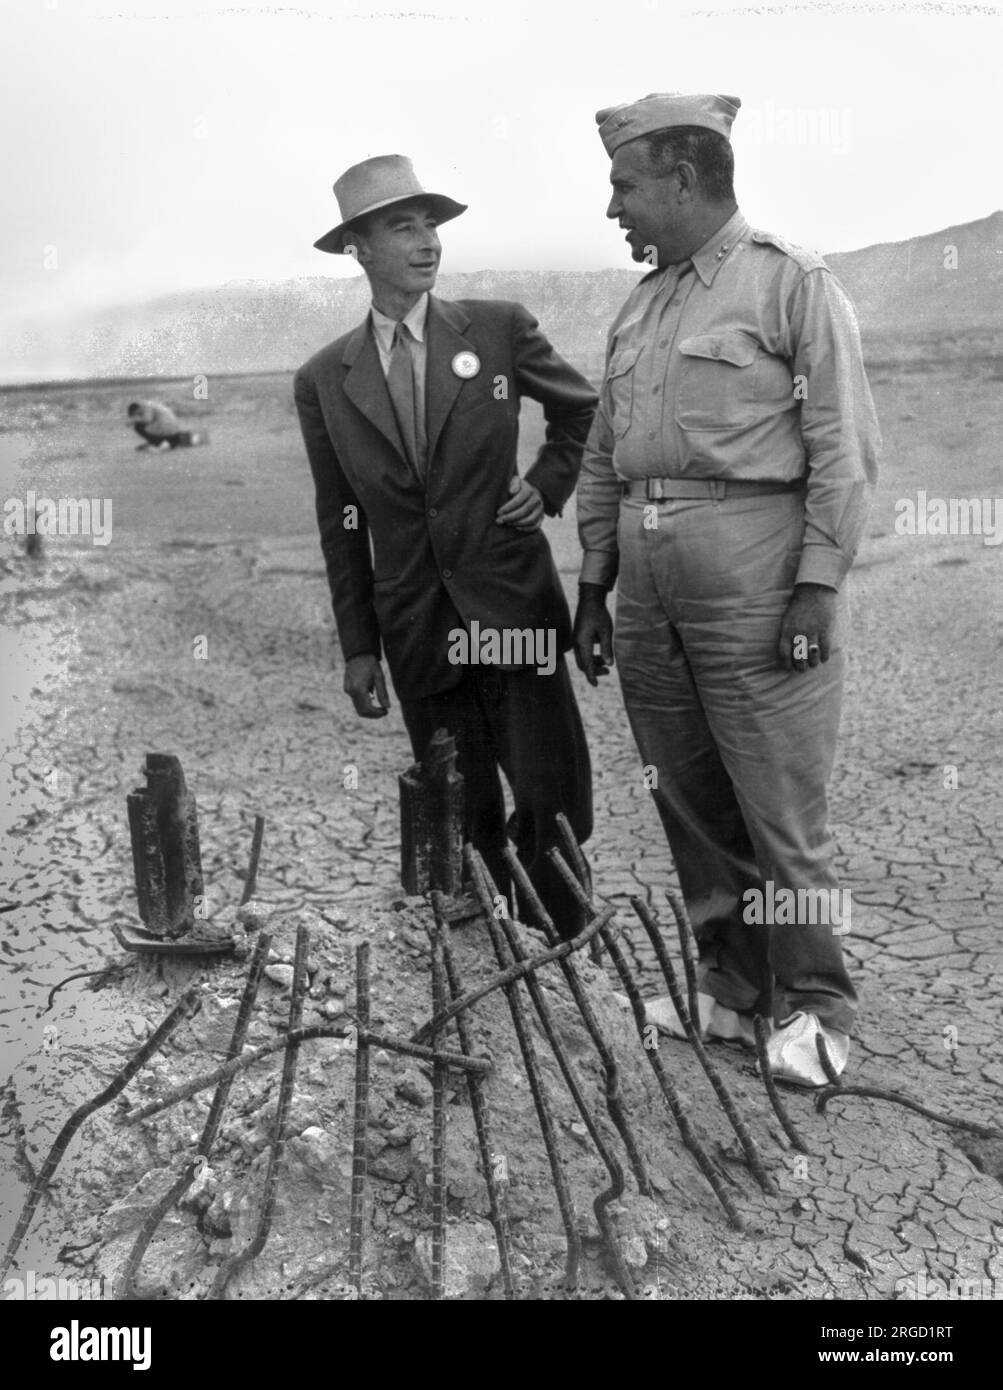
(408, 561)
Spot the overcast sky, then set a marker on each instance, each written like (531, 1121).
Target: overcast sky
(171, 143)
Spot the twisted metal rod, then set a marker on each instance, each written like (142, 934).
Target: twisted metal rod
(210, 1129)
(779, 1109)
(826, 1060)
(748, 1143)
(191, 1088)
(607, 1059)
(828, 1093)
(231, 1267)
(616, 1184)
(251, 879)
(478, 1104)
(484, 886)
(687, 946)
(186, 1007)
(360, 1131)
(668, 1089)
(580, 866)
(438, 1131)
(514, 972)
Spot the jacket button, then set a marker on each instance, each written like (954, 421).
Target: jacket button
(447, 574)
(432, 511)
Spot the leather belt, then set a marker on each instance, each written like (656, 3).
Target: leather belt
(658, 489)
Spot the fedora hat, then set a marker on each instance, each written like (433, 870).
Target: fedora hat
(378, 183)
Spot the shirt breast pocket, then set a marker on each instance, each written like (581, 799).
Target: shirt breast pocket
(620, 389)
(718, 382)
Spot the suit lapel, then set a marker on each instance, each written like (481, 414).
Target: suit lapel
(366, 386)
(446, 324)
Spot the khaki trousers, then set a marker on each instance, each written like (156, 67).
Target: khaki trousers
(741, 748)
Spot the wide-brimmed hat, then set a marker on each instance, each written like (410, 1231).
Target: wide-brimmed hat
(377, 183)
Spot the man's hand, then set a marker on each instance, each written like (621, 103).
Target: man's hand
(807, 626)
(363, 681)
(524, 509)
(593, 628)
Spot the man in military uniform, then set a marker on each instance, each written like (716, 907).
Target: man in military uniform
(725, 485)
(430, 535)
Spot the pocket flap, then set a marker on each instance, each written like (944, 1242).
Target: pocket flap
(621, 362)
(735, 348)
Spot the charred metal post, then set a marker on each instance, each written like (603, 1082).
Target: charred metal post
(163, 826)
(431, 795)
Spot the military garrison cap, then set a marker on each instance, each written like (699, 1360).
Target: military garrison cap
(659, 111)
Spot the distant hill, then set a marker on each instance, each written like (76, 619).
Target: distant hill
(909, 286)
(900, 288)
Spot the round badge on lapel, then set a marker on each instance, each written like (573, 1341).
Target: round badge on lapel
(465, 365)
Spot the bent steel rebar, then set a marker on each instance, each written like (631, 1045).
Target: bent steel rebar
(826, 1060)
(211, 1128)
(580, 866)
(615, 1190)
(828, 1093)
(232, 1266)
(748, 1143)
(515, 972)
(686, 1130)
(438, 1131)
(251, 880)
(191, 1088)
(611, 1070)
(186, 1007)
(486, 896)
(779, 1109)
(687, 948)
(360, 1123)
(478, 1104)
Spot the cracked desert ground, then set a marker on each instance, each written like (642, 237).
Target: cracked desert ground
(220, 542)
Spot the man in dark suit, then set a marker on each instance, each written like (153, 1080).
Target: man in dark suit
(431, 539)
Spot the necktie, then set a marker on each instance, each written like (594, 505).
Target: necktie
(403, 390)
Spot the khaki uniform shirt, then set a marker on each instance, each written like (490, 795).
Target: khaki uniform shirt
(743, 363)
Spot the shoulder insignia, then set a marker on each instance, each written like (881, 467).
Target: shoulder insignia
(807, 260)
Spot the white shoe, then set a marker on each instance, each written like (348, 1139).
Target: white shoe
(792, 1051)
(717, 1024)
